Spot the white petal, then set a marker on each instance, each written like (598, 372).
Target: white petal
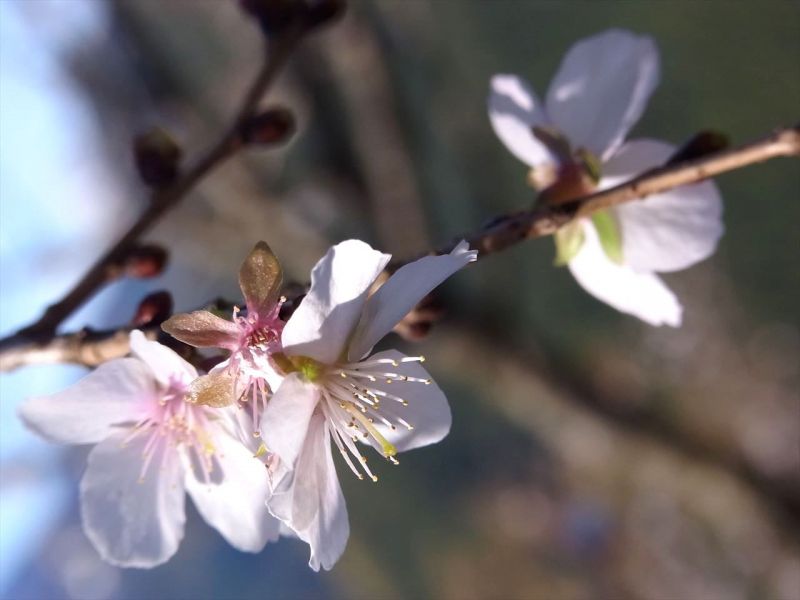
(237, 506)
(643, 295)
(669, 231)
(427, 412)
(398, 296)
(314, 507)
(117, 392)
(133, 523)
(324, 321)
(285, 422)
(602, 88)
(513, 110)
(166, 365)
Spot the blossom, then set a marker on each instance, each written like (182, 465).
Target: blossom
(578, 134)
(152, 446)
(248, 375)
(335, 391)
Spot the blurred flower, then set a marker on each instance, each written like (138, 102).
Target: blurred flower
(333, 391)
(575, 144)
(248, 375)
(152, 446)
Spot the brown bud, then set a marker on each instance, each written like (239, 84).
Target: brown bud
(273, 126)
(153, 309)
(417, 324)
(157, 157)
(322, 12)
(572, 181)
(277, 16)
(145, 261)
(701, 144)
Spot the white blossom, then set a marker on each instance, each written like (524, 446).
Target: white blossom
(151, 447)
(600, 91)
(335, 391)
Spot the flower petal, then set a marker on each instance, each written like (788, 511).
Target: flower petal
(643, 295)
(236, 507)
(117, 392)
(133, 522)
(602, 88)
(405, 288)
(340, 281)
(314, 507)
(513, 110)
(286, 418)
(203, 329)
(261, 280)
(165, 364)
(427, 412)
(668, 231)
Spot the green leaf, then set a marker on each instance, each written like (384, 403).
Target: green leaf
(609, 233)
(569, 240)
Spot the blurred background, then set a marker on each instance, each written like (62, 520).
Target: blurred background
(591, 456)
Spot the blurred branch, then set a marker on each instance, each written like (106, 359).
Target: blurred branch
(575, 385)
(164, 199)
(86, 347)
(507, 230)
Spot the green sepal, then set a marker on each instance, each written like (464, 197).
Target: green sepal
(609, 233)
(569, 240)
(591, 163)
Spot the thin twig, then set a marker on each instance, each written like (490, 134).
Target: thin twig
(86, 348)
(165, 199)
(511, 229)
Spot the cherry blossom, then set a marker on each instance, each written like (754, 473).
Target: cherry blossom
(151, 447)
(336, 391)
(575, 141)
(248, 374)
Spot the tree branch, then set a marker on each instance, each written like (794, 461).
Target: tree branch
(37, 346)
(511, 229)
(165, 199)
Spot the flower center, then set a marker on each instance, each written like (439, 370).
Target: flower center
(175, 423)
(353, 403)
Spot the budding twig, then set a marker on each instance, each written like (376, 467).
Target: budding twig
(166, 198)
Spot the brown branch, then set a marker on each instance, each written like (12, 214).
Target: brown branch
(39, 347)
(87, 348)
(511, 229)
(165, 199)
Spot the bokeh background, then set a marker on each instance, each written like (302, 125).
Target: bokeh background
(591, 456)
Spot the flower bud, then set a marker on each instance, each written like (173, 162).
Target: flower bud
(417, 324)
(274, 16)
(572, 181)
(701, 144)
(144, 261)
(277, 16)
(153, 309)
(322, 12)
(273, 126)
(157, 157)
